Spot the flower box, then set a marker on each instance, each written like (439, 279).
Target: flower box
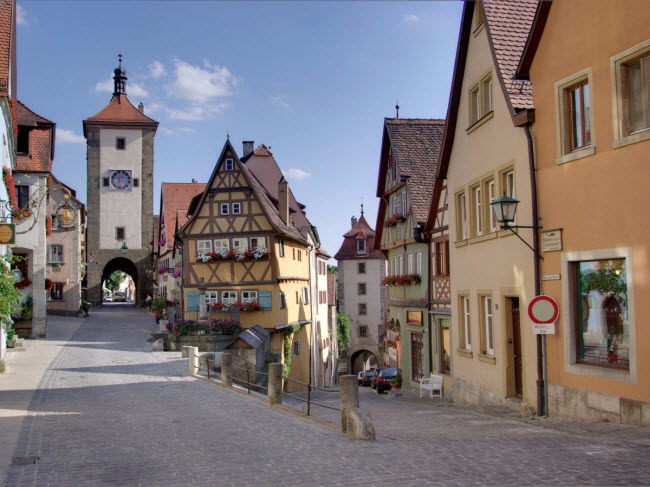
(403, 280)
(394, 220)
(236, 255)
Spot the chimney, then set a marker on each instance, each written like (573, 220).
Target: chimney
(283, 200)
(141, 107)
(248, 147)
(353, 221)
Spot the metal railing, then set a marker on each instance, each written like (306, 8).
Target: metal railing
(309, 389)
(180, 314)
(254, 371)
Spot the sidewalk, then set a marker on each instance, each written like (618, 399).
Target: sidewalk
(25, 370)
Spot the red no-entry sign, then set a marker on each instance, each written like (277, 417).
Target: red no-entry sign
(543, 310)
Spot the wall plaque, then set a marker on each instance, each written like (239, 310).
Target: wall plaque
(552, 240)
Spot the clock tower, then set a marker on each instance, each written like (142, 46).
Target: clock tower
(119, 141)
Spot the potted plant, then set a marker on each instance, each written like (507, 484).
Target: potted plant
(11, 338)
(396, 382)
(158, 306)
(84, 307)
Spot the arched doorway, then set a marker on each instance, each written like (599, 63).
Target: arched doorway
(362, 360)
(125, 265)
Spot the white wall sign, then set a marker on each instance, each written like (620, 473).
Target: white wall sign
(552, 240)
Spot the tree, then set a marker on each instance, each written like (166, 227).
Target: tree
(113, 281)
(342, 331)
(332, 269)
(9, 295)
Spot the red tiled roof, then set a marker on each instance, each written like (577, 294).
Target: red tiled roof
(41, 141)
(509, 23)
(7, 40)
(348, 249)
(361, 225)
(175, 197)
(416, 146)
(28, 117)
(119, 110)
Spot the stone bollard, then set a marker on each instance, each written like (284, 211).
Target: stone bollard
(193, 355)
(275, 384)
(184, 351)
(355, 421)
(226, 374)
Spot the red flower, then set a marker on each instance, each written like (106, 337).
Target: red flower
(8, 179)
(48, 225)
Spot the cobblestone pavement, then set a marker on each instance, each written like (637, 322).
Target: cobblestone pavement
(108, 411)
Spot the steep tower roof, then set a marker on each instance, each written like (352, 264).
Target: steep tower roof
(360, 231)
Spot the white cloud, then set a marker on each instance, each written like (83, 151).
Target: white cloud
(295, 173)
(201, 84)
(21, 15)
(281, 101)
(408, 18)
(177, 131)
(132, 88)
(195, 113)
(65, 136)
(157, 70)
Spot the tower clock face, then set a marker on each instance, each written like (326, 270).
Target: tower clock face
(120, 180)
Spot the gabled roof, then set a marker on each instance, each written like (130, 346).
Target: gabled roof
(541, 16)
(360, 230)
(119, 111)
(174, 197)
(265, 168)
(361, 226)
(41, 145)
(27, 117)
(270, 210)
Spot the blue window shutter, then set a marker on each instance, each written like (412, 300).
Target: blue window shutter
(264, 300)
(192, 300)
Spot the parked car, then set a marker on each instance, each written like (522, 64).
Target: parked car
(120, 297)
(384, 378)
(108, 298)
(360, 377)
(373, 381)
(367, 378)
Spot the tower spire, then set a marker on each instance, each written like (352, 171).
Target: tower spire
(397, 109)
(119, 83)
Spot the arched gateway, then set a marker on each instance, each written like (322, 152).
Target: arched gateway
(119, 141)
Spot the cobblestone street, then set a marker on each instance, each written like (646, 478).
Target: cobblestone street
(108, 411)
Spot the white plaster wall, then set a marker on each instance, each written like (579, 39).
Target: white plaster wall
(120, 208)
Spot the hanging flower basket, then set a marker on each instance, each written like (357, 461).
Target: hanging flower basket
(48, 285)
(8, 179)
(20, 214)
(403, 280)
(176, 274)
(163, 270)
(394, 220)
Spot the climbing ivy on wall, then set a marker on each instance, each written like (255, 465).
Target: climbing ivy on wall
(287, 340)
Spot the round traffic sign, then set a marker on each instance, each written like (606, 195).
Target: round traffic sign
(543, 310)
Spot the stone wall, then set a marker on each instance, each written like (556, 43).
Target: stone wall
(205, 343)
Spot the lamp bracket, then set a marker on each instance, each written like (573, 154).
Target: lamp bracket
(505, 226)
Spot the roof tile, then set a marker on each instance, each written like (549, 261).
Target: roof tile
(175, 197)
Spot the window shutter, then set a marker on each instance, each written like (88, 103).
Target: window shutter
(264, 300)
(192, 300)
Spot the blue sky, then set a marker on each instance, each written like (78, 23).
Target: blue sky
(313, 80)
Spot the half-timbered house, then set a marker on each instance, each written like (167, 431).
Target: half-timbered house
(409, 155)
(244, 248)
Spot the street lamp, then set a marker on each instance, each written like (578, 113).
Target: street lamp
(505, 209)
(124, 248)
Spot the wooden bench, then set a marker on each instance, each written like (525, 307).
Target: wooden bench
(433, 383)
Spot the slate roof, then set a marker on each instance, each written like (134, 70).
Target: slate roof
(119, 110)
(254, 336)
(416, 146)
(176, 196)
(509, 23)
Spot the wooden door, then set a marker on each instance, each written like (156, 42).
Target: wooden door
(417, 362)
(517, 350)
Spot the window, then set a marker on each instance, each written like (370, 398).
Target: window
(418, 263)
(631, 86)
(393, 200)
(283, 300)
(442, 258)
(236, 208)
(363, 309)
(136, 182)
(361, 288)
(221, 245)
(257, 243)
(577, 113)
(414, 318)
(475, 105)
(22, 264)
(361, 246)
(363, 331)
(401, 264)
(487, 339)
(491, 192)
(249, 296)
(409, 263)
(281, 247)
(223, 209)
(239, 244)
(56, 293)
(465, 331)
(478, 211)
(22, 141)
(105, 182)
(120, 143)
(361, 268)
(305, 295)
(461, 216)
(574, 115)
(480, 100)
(204, 246)
(228, 297)
(22, 196)
(486, 88)
(297, 297)
(211, 297)
(55, 254)
(600, 298)
(299, 252)
(403, 196)
(120, 233)
(296, 347)
(478, 16)
(229, 164)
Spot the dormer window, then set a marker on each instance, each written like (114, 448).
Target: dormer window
(22, 141)
(361, 246)
(229, 164)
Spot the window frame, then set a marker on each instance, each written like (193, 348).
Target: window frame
(22, 195)
(281, 249)
(211, 297)
(257, 246)
(22, 138)
(229, 299)
(236, 205)
(461, 216)
(363, 331)
(361, 267)
(50, 254)
(362, 289)
(465, 322)
(250, 298)
(202, 243)
(117, 143)
(229, 164)
(222, 207)
(117, 233)
(220, 247)
(57, 292)
(491, 194)
(487, 324)
(361, 246)
(363, 309)
(409, 263)
(238, 240)
(418, 263)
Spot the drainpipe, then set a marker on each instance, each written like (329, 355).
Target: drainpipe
(420, 237)
(541, 339)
